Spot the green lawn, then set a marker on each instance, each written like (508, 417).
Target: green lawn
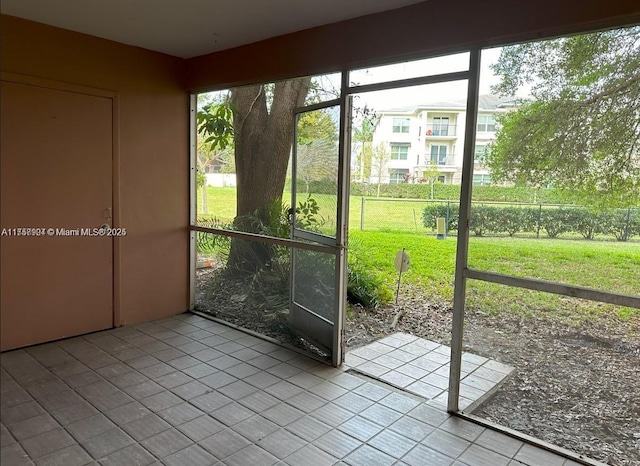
(400, 214)
(604, 265)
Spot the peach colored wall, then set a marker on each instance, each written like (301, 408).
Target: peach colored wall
(152, 177)
(429, 27)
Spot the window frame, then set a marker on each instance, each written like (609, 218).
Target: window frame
(481, 179)
(398, 154)
(400, 128)
(486, 120)
(393, 172)
(441, 124)
(439, 155)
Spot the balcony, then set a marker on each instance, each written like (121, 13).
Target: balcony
(440, 131)
(442, 160)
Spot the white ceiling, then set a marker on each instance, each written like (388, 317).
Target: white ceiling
(188, 28)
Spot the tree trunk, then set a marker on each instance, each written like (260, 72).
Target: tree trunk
(263, 138)
(205, 207)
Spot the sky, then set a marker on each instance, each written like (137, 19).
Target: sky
(416, 95)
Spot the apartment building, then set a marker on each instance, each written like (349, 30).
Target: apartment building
(426, 138)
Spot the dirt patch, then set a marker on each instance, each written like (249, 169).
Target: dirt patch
(576, 387)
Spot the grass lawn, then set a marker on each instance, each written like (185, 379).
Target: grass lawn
(381, 214)
(604, 265)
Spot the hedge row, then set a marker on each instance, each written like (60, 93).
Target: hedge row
(452, 191)
(441, 191)
(620, 223)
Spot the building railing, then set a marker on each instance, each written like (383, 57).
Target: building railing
(439, 130)
(441, 159)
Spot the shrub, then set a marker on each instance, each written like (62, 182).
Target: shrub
(634, 223)
(446, 191)
(512, 220)
(440, 210)
(364, 286)
(555, 221)
(480, 220)
(531, 219)
(622, 223)
(208, 243)
(587, 223)
(268, 283)
(484, 219)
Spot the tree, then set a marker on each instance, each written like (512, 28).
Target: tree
(430, 175)
(363, 141)
(207, 158)
(380, 157)
(263, 136)
(317, 162)
(317, 148)
(213, 148)
(258, 119)
(581, 131)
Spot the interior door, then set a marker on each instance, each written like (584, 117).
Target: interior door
(318, 197)
(56, 180)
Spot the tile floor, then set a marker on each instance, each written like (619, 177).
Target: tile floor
(421, 367)
(188, 391)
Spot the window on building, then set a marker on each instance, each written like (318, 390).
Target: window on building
(399, 151)
(442, 179)
(486, 123)
(398, 175)
(481, 180)
(440, 126)
(481, 150)
(401, 125)
(439, 154)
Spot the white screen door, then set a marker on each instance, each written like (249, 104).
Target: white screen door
(319, 206)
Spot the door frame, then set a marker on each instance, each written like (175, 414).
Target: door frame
(336, 245)
(115, 166)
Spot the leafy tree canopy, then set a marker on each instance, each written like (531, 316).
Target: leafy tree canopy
(581, 131)
(215, 124)
(317, 125)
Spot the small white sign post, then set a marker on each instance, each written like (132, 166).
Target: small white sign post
(401, 263)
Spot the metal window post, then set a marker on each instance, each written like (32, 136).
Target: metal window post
(462, 250)
(193, 153)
